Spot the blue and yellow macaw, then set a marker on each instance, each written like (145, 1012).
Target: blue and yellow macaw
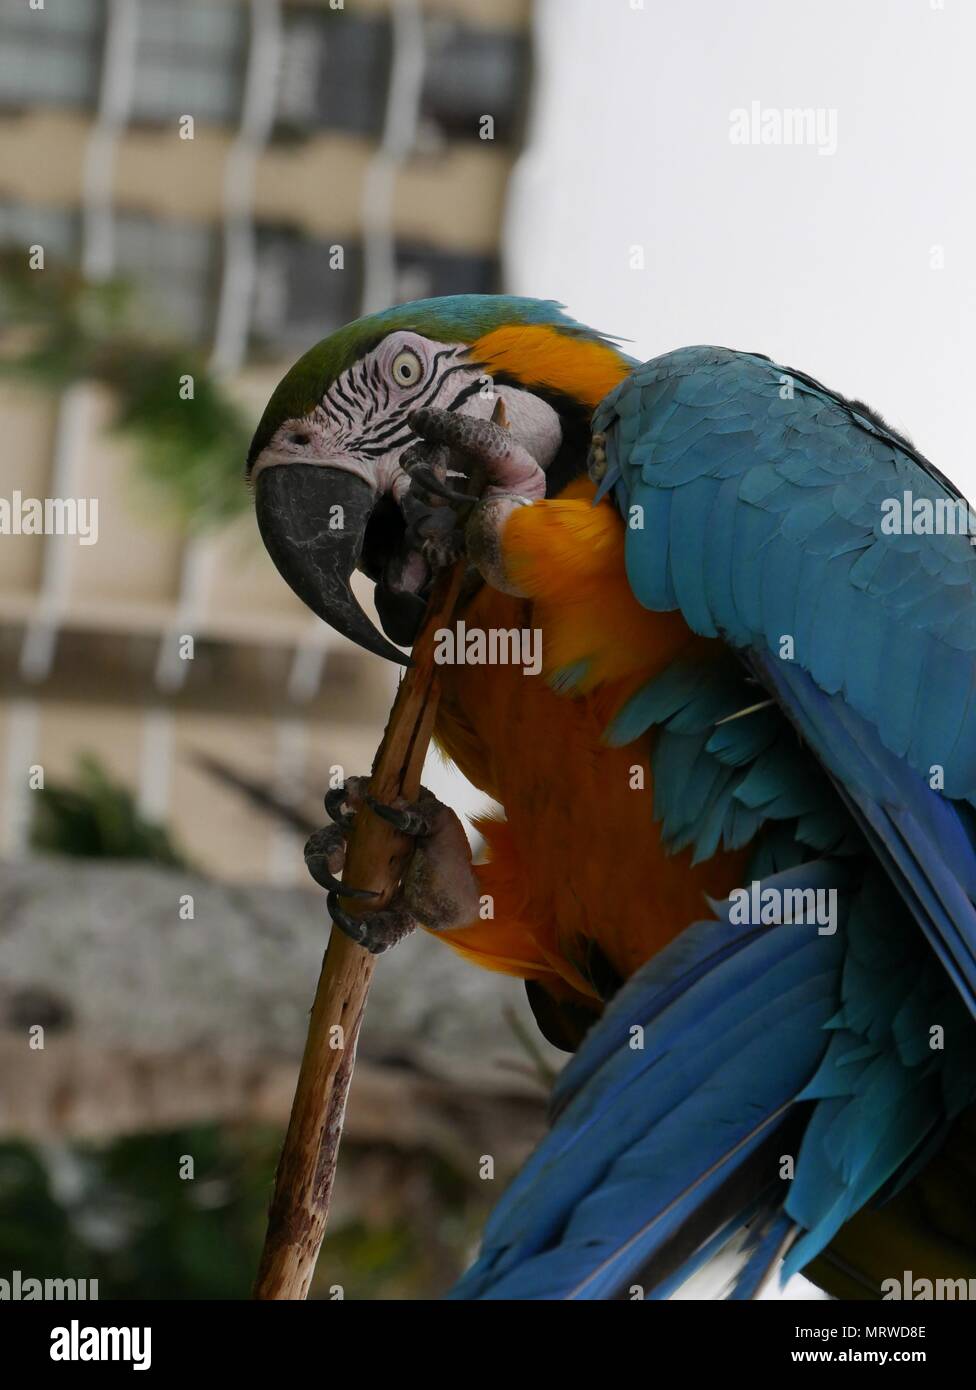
(736, 862)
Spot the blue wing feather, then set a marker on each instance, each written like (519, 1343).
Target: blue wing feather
(644, 1135)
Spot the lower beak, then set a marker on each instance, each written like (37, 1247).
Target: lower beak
(312, 520)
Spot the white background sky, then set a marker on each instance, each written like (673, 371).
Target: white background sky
(823, 262)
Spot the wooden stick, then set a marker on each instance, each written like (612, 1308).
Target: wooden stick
(375, 857)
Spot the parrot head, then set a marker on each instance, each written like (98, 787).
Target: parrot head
(325, 461)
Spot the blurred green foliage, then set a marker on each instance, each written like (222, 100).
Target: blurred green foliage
(97, 818)
(122, 1214)
(61, 328)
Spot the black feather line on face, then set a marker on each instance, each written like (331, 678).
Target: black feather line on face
(386, 435)
(373, 381)
(436, 385)
(357, 384)
(437, 357)
(374, 450)
(356, 401)
(342, 396)
(422, 396)
(377, 450)
(378, 383)
(465, 394)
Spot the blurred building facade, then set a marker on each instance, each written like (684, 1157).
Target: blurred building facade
(341, 157)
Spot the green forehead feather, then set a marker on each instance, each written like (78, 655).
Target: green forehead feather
(460, 318)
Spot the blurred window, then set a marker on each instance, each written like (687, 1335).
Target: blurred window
(300, 294)
(472, 73)
(334, 72)
(423, 271)
(174, 264)
(56, 229)
(50, 57)
(190, 60)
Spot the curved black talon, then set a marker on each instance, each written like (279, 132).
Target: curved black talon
(320, 872)
(353, 927)
(408, 822)
(319, 848)
(376, 932)
(423, 477)
(334, 801)
(435, 458)
(335, 885)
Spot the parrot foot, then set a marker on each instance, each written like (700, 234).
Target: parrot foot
(514, 479)
(325, 853)
(432, 528)
(342, 803)
(375, 931)
(438, 889)
(509, 467)
(325, 849)
(409, 817)
(431, 506)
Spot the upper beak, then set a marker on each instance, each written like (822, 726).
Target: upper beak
(312, 520)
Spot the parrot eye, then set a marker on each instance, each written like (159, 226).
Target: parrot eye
(407, 368)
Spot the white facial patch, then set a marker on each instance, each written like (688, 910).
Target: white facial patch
(360, 425)
(533, 423)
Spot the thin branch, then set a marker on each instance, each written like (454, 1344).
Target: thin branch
(375, 858)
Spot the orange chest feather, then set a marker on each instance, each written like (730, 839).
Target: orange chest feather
(578, 856)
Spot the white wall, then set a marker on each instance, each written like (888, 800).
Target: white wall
(822, 261)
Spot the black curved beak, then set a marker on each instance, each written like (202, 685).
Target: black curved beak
(312, 520)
